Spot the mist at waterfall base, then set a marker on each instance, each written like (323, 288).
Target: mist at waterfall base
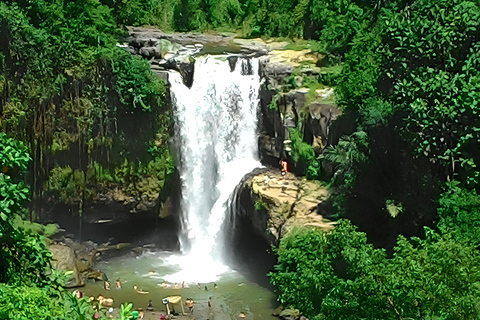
(234, 294)
(216, 124)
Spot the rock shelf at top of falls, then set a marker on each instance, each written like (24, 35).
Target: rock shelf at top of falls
(176, 51)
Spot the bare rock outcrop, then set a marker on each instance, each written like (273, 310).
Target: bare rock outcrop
(275, 204)
(64, 260)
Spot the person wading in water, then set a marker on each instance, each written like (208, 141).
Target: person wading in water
(189, 304)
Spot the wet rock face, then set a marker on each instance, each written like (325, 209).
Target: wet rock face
(317, 130)
(186, 70)
(274, 73)
(292, 109)
(272, 132)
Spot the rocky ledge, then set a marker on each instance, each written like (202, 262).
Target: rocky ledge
(276, 204)
(177, 51)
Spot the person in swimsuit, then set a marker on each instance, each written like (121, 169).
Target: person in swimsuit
(189, 304)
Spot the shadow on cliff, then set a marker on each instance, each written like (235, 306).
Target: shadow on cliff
(394, 174)
(249, 246)
(116, 222)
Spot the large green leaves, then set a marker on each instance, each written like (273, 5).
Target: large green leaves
(24, 257)
(459, 211)
(23, 302)
(14, 159)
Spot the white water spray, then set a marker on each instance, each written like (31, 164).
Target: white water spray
(216, 122)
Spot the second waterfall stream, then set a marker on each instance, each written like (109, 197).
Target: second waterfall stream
(216, 139)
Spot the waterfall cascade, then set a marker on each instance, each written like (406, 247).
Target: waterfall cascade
(216, 123)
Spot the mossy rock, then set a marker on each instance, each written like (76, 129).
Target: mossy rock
(290, 314)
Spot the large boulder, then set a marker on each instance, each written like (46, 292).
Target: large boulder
(96, 275)
(64, 260)
(290, 314)
(277, 204)
(186, 69)
(274, 73)
(184, 64)
(78, 259)
(147, 52)
(318, 124)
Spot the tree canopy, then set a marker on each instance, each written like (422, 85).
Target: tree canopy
(409, 82)
(338, 275)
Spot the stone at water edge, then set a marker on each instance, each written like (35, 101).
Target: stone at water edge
(96, 275)
(290, 314)
(64, 260)
(278, 310)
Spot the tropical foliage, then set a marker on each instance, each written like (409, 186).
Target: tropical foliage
(459, 214)
(28, 287)
(338, 275)
(24, 256)
(423, 72)
(135, 84)
(70, 93)
(303, 154)
(65, 92)
(409, 83)
(22, 302)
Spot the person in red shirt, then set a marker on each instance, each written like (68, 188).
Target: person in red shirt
(283, 167)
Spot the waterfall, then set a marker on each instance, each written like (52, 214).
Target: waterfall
(215, 129)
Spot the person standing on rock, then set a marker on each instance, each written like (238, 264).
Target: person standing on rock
(283, 167)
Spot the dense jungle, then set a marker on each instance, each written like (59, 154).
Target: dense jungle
(84, 122)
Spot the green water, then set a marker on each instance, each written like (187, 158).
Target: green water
(234, 293)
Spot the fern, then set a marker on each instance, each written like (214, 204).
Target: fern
(349, 151)
(303, 152)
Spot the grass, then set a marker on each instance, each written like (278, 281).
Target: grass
(298, 45)
(334, 70)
